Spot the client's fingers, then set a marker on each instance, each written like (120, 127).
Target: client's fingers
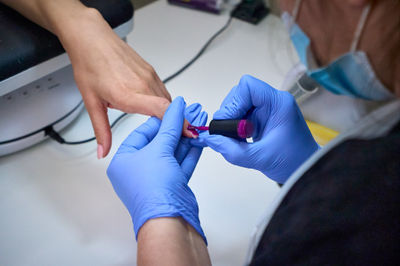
(101, 126)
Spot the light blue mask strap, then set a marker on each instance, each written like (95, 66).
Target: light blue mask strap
(301, 43)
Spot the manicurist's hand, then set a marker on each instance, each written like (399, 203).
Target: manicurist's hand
(108, 72)
(282, 142)
(151, 169)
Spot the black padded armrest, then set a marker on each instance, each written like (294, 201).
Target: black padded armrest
(24, 44)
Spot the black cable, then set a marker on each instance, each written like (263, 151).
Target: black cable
(49, 131)
(200, 52)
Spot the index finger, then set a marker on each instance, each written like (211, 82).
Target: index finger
(147, 105)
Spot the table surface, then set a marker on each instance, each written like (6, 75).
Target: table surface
(57, 205)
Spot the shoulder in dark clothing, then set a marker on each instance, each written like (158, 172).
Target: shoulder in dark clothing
(344, 211)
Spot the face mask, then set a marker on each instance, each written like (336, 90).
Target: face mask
(351, 74)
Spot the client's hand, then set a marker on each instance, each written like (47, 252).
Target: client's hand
(109, 73)
(282, 142)
(151, 170)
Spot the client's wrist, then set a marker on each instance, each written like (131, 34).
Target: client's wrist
(77, 24)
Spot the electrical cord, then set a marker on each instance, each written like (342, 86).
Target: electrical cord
(49, 131)
(205, 46)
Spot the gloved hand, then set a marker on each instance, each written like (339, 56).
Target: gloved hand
(282, 141)
(151, 169)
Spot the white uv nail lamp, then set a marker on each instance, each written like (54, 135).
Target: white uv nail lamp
(37, 88)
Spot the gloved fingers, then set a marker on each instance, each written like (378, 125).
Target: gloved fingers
(250, 93)
(189, 163)
(228, 98)
(203, 118)
(236, 104)
(141, 136)
(257, 91)
(234, 151)
(197, 118)
(182, 149)
(200, 141)
(192, 111)
(221, 144)
(170, 130)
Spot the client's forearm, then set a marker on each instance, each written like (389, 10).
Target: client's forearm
(170, 241)
(48, 14)
(68, 19)
(61, 17)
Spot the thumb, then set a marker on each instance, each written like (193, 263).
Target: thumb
(221, 144)
(230, 148)
(171, 125)
(98, 115)
(236, 152)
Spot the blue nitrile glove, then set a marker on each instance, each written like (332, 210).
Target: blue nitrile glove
(282, 141)
(152, 167)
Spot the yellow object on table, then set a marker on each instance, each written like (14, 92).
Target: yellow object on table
(321, 134)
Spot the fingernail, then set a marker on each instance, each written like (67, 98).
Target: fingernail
(195, 134)
(99, 151)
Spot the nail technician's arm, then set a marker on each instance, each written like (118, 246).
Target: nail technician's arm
(163, 208)
(108, 72)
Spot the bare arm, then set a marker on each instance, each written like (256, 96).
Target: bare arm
(48, 14)
(108, 72)
(171, 241)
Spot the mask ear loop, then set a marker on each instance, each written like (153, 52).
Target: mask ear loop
(360, 27)
(295, 12)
